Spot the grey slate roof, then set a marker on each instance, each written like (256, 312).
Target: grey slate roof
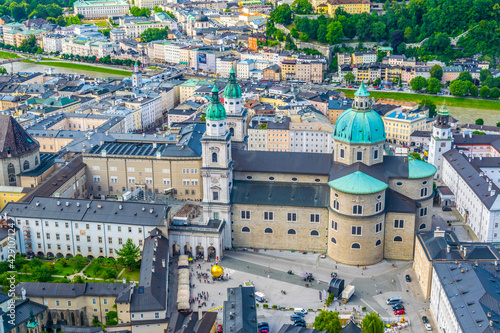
(288, 328)
(398, 203)
(473, 293)
(13, 138)
(282, 162)
(470, 174)
(69, 290)
(151, 293)
(280, 194)
(240, 312)
(82, 210)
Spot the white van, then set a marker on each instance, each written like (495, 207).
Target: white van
(260, 297)
(300, 311)
(394, 300)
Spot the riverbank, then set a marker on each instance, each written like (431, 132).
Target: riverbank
(81, 67)
(8, 55)
(438, 100)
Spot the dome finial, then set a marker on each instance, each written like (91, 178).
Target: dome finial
(362, 92)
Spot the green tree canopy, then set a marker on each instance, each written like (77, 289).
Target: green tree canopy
(430, 104)
(372, 323)
(418, 83)
(465, 76)
(458, 88)
(473, 90)
(152, 34)
(282, 14)
(484, 92)
(302, 7)
(433, 85)
(484, 74)
(327, 321)
(129, 254)
(495, 93)
(349, 77)
(480, 121)
(436, 72)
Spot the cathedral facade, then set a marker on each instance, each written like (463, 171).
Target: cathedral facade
(358, 206)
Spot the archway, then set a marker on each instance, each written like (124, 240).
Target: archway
(188, 250)
(11, 174)
(200, 252)
(72, 321)
(50, 255)
(69, 255)
(59, 255)
(62, 316)
(82, 321)
(40, 254)
(212, 254)
(90, 257)
(176, 249)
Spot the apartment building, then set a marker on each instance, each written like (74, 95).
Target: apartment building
(151, 110)
(249, 68)
(399, 125)
(15, 37)
(134, 29)
(101, 8)
(450, 73)
(350, 6)
(288, 69)
(272, 73)
(224, 65)
(53, 43)
(309, 72)
(116, 167)
(86, 47)
(278, 134)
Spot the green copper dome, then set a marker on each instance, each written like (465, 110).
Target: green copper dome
(420, 169)
(232, 89)
(215, 110)
(360, 124)
(358, 183)
(443, 111)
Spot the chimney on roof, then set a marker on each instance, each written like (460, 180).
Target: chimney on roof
(447, 248)
(439, 233)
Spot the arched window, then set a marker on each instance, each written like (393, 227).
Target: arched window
(11, 172)
(357, 209)
(355, 246)
(398, 239)
(422, 226)
(334, 241)
(268, 231)
(378, 242)
(245, 229)
(231, 131)
(26, 165)
(314, 233)
(292, 232)
(214, 157)
(36, 160)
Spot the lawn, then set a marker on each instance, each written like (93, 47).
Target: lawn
(65, 270)
(8, 55)
(438, 100)
(98, 270)
(99, 23)
(130, 275)
(85, 67)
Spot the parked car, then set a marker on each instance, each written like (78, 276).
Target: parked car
(425, 320)
(296, 316)
(428, 327)
(446, 209)
(300, 321)
(219, 328)
(396, 304)
(399, 312)
(300, 311)
(263, 325)
(299, 324)
(408, 278)
(398, 307)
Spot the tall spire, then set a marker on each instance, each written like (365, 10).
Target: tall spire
(215, 110)
(232, 89)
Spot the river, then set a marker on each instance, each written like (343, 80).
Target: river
(31, 67)
(469, 116)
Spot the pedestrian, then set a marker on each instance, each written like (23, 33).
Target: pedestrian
(219, 292)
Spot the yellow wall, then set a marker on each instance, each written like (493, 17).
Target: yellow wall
(7, 196)
(356, 8)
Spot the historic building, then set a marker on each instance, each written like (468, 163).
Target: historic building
(19, 152)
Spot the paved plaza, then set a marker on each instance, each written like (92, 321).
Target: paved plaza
(267, 270)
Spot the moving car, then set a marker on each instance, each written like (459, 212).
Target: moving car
(408, 278)
(428, 327)
(446, 209)
(425, 320)
(399, 312)
(219, 328)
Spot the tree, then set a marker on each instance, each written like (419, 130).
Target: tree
(304, 37)
(129, 254)
(433, 85)
(112, 318)
(335, 33)
(152, 34)
(377, 82)
(349, 77)
(458, 88)
(415, 156)
(436, 72)
(372, 323)
(498, 124)
(495, 93)
(397, 38)
(480, 121)
(473, 90)
(42, 274)
(282, 14)
(484, 74)
(465, 76)
(484, 92)
(430, 104)
(418, 83)
(327, 321)
(302, 7)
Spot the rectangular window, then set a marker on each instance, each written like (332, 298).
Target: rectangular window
(94, 301)
(110, 240)
(120, 241)
(342, 153)
(157, 315)
(109, 228)
(375, 154)
(76, 225)
(335, 225)
(87, 226)
(88, 239)
(38, 235)
(245, 215)
(149, 181)
(399, 224)
(356, 231)
(166, 181)
(129, 229)
(336, 205)
(423, 192)
(119, 229)
(66, 224)
(359, 156)
(114, 179)
(378, 207)
(99, 239)
(57, 303)
(131, 180)
(314, 218)
(129, 169)
(268, 216)
(215, 196)
(378, 227)
(97, 179)
(47, 236)
(69, 303)
(148, 170)
(357, 209)
(58, 237)
(89, 249)
(292, 217)
(77, 237)
(423, 211)
(112, 168)
(78, 249)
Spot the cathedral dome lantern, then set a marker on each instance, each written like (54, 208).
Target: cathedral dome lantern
(360, 124)
(443, 116)
(232, 89)
(215, 110)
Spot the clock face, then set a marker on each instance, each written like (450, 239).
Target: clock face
(215, 180)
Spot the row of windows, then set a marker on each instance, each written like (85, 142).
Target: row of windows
(76, 226)
(358, 209)
(78, 248)
(377, 243)
(294, 179)
(78, 238)
(359, 154)
(269, 216)
(289, 231)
